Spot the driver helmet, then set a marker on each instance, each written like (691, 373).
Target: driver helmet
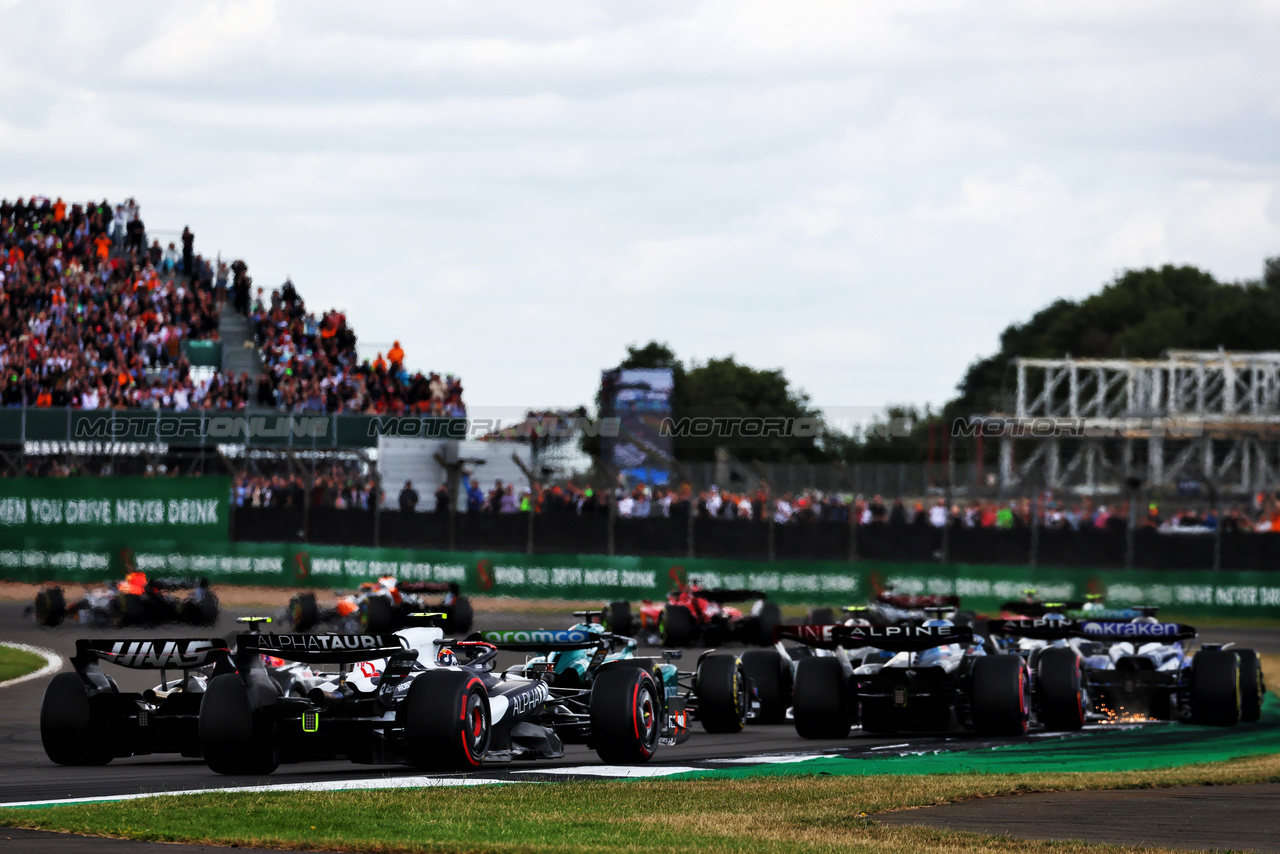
(1145, 620)
(134, 583)
(934, 655)
(446, 658)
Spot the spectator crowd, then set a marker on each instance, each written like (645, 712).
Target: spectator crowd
(92, 316)
(312, 365)
(333, 485)
(761, 503)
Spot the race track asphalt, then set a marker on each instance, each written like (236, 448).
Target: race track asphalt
(26, 773)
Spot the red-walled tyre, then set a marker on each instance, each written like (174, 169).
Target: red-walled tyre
(626, 715)
(447, 721)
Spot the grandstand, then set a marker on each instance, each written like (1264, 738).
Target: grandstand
(93, 316)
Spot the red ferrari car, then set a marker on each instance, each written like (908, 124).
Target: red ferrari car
(694, 616)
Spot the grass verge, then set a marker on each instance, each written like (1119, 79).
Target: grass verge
(762, 815)
(18, 662)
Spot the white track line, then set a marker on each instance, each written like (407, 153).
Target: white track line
(326, 786)
(53, 663)
(774, 758)
(620, 771)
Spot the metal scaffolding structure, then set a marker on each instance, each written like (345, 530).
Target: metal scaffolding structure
(1101, 426)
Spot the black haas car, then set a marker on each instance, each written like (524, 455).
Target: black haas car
(85, 719)
(415, 697)
(136, 601)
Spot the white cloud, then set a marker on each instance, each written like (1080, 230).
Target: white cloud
(862, 194)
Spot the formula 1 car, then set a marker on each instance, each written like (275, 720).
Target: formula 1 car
(1141, 668)
(1031, 605)
(893, 609)
(408, 698)
(696, 616)
(135, 601)
(381, 606)
(926, 678)
(85, 719)
(717, 693)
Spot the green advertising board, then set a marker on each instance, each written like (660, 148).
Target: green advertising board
(45, 513)
(1203, 593)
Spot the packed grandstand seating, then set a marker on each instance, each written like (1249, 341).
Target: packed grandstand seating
(312, 365)
(86, 320)
(92, 316)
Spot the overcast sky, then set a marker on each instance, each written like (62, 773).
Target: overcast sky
(863, 194)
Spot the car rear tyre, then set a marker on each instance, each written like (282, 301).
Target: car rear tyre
(1252, 688)
(770, 673)
(377, 614)
(304, 612)
(626, 715)
(67, 729)
(1215, 687)
(820, 617)
(822, 704)
(1061, 696)
(616, 618)
(51, 606)
(235, 737)
(999, 698)
(678, 626)
(462, 617)
(207, 609)
(770, 618)
(127, 609)
(721, 691)
(447, 721)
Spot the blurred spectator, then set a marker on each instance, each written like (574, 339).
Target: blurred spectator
(408, 498)
(81, 326)
(312, 365)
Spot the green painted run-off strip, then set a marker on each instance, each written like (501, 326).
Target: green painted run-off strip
(1156, 745)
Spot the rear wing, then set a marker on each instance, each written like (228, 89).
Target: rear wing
(730, 595)
(429, 587)
(1039, 609)
(906, 601)
(541, 640)
(1100, 630)
(151, 653)
(889, 638)
(188, 582)
(322, 648)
